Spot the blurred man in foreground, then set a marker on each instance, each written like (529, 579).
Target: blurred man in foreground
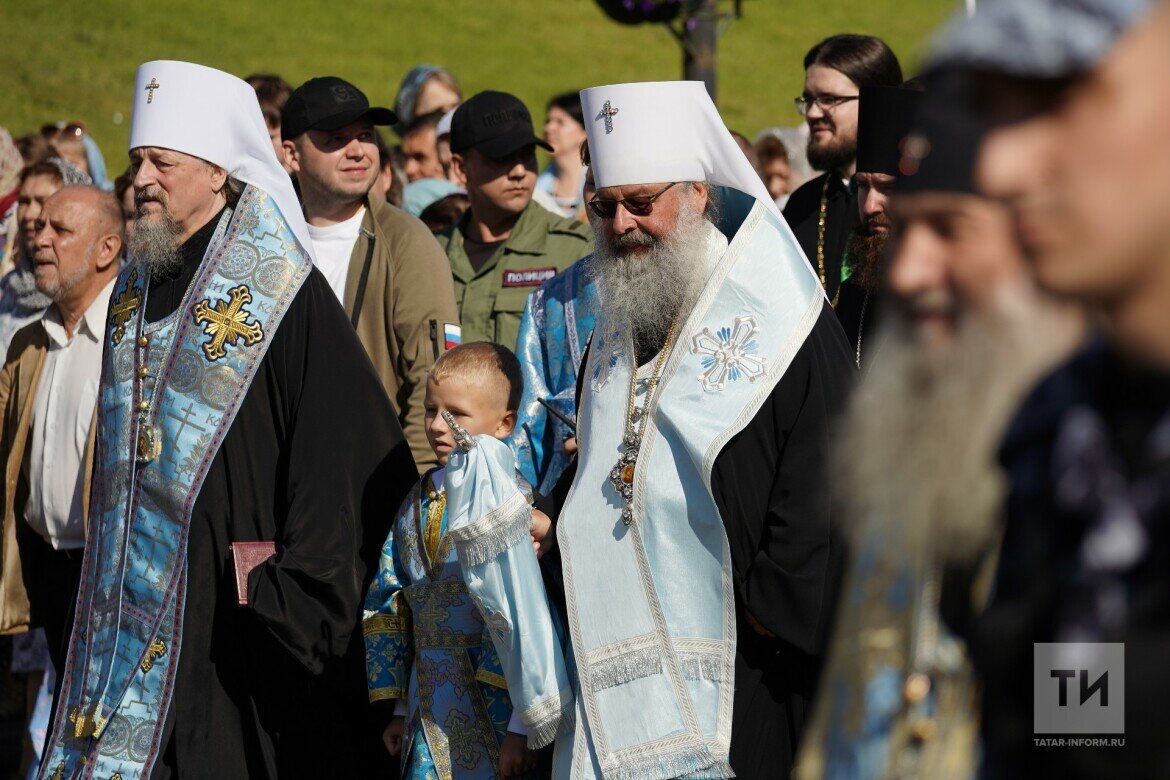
(1075, 151)
(966, 333)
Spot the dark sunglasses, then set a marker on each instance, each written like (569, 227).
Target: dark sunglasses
(73, 129)
(639, 205)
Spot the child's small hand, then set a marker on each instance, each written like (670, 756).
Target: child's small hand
(392, 736)
(515, 757)
(542, 539)
(570, 445)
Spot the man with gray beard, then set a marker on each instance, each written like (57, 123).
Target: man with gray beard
(155, 241)
(646, 280)
(696, 543)
(966, 334)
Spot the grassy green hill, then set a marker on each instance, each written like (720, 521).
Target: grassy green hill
(75, 59)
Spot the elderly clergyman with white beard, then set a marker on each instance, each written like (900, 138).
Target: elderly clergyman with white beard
(236, 405)
(698, 552)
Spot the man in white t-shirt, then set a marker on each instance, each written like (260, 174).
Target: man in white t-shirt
(385, 266)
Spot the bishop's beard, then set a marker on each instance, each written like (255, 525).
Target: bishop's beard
(918, 445)
(155, 241)
(642, 292)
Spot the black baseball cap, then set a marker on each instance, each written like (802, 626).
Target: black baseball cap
(495, 123)
(327, 103)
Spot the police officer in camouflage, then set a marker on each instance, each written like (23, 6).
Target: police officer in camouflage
(506, 245)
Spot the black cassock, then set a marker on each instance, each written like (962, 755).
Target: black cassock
(315, 460)
(774, 491)
(803, 211)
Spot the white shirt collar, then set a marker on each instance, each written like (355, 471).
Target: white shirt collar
(92, 322)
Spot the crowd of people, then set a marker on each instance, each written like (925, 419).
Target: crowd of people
(833, 454)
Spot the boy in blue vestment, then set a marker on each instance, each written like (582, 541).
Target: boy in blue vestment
(429, 659)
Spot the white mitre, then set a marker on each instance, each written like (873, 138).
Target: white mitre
(215, 116)
(662, 131)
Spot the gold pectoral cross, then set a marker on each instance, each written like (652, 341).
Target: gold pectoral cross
(226, 323)
(124, 307)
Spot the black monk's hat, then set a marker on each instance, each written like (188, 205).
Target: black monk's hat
(495, 123)
(885, 116)
(328, 103)
(939, 153)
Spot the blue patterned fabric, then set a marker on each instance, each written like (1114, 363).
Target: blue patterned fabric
(869, 720)
(491, 524)
(426, 643)
(557, 321)
(119, 680)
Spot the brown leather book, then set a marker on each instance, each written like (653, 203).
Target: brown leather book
(245, 557)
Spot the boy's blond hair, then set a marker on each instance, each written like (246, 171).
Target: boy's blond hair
(485, 362)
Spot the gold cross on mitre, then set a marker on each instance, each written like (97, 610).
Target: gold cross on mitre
(150, 88)
(608, 112)
(227, 322)
(124, 306)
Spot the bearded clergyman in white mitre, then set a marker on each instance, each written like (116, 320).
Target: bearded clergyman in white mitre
(698, 552)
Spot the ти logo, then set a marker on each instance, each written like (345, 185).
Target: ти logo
(1078, 688)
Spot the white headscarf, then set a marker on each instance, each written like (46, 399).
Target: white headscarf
(215, 116)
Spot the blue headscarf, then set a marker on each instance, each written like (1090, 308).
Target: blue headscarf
(408, 93)
(419, 194)
(97, 163)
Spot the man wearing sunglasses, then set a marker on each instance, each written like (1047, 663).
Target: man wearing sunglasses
(696, 547)
(823, 212)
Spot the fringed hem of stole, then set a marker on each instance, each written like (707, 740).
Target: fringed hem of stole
(685, 762)
(546, 719)
(645, 662)
(506, 525)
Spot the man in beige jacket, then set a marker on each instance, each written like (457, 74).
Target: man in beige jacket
(386, 268)
(48, 393)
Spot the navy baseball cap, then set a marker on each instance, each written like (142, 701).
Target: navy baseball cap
(1035, 39)
(495, 123)
(328, 103)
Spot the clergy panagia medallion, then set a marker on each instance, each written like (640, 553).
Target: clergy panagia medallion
(621, 476)
(149, 443)
(729, 354)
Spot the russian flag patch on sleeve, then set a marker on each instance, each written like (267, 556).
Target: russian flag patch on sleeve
(452, 336)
